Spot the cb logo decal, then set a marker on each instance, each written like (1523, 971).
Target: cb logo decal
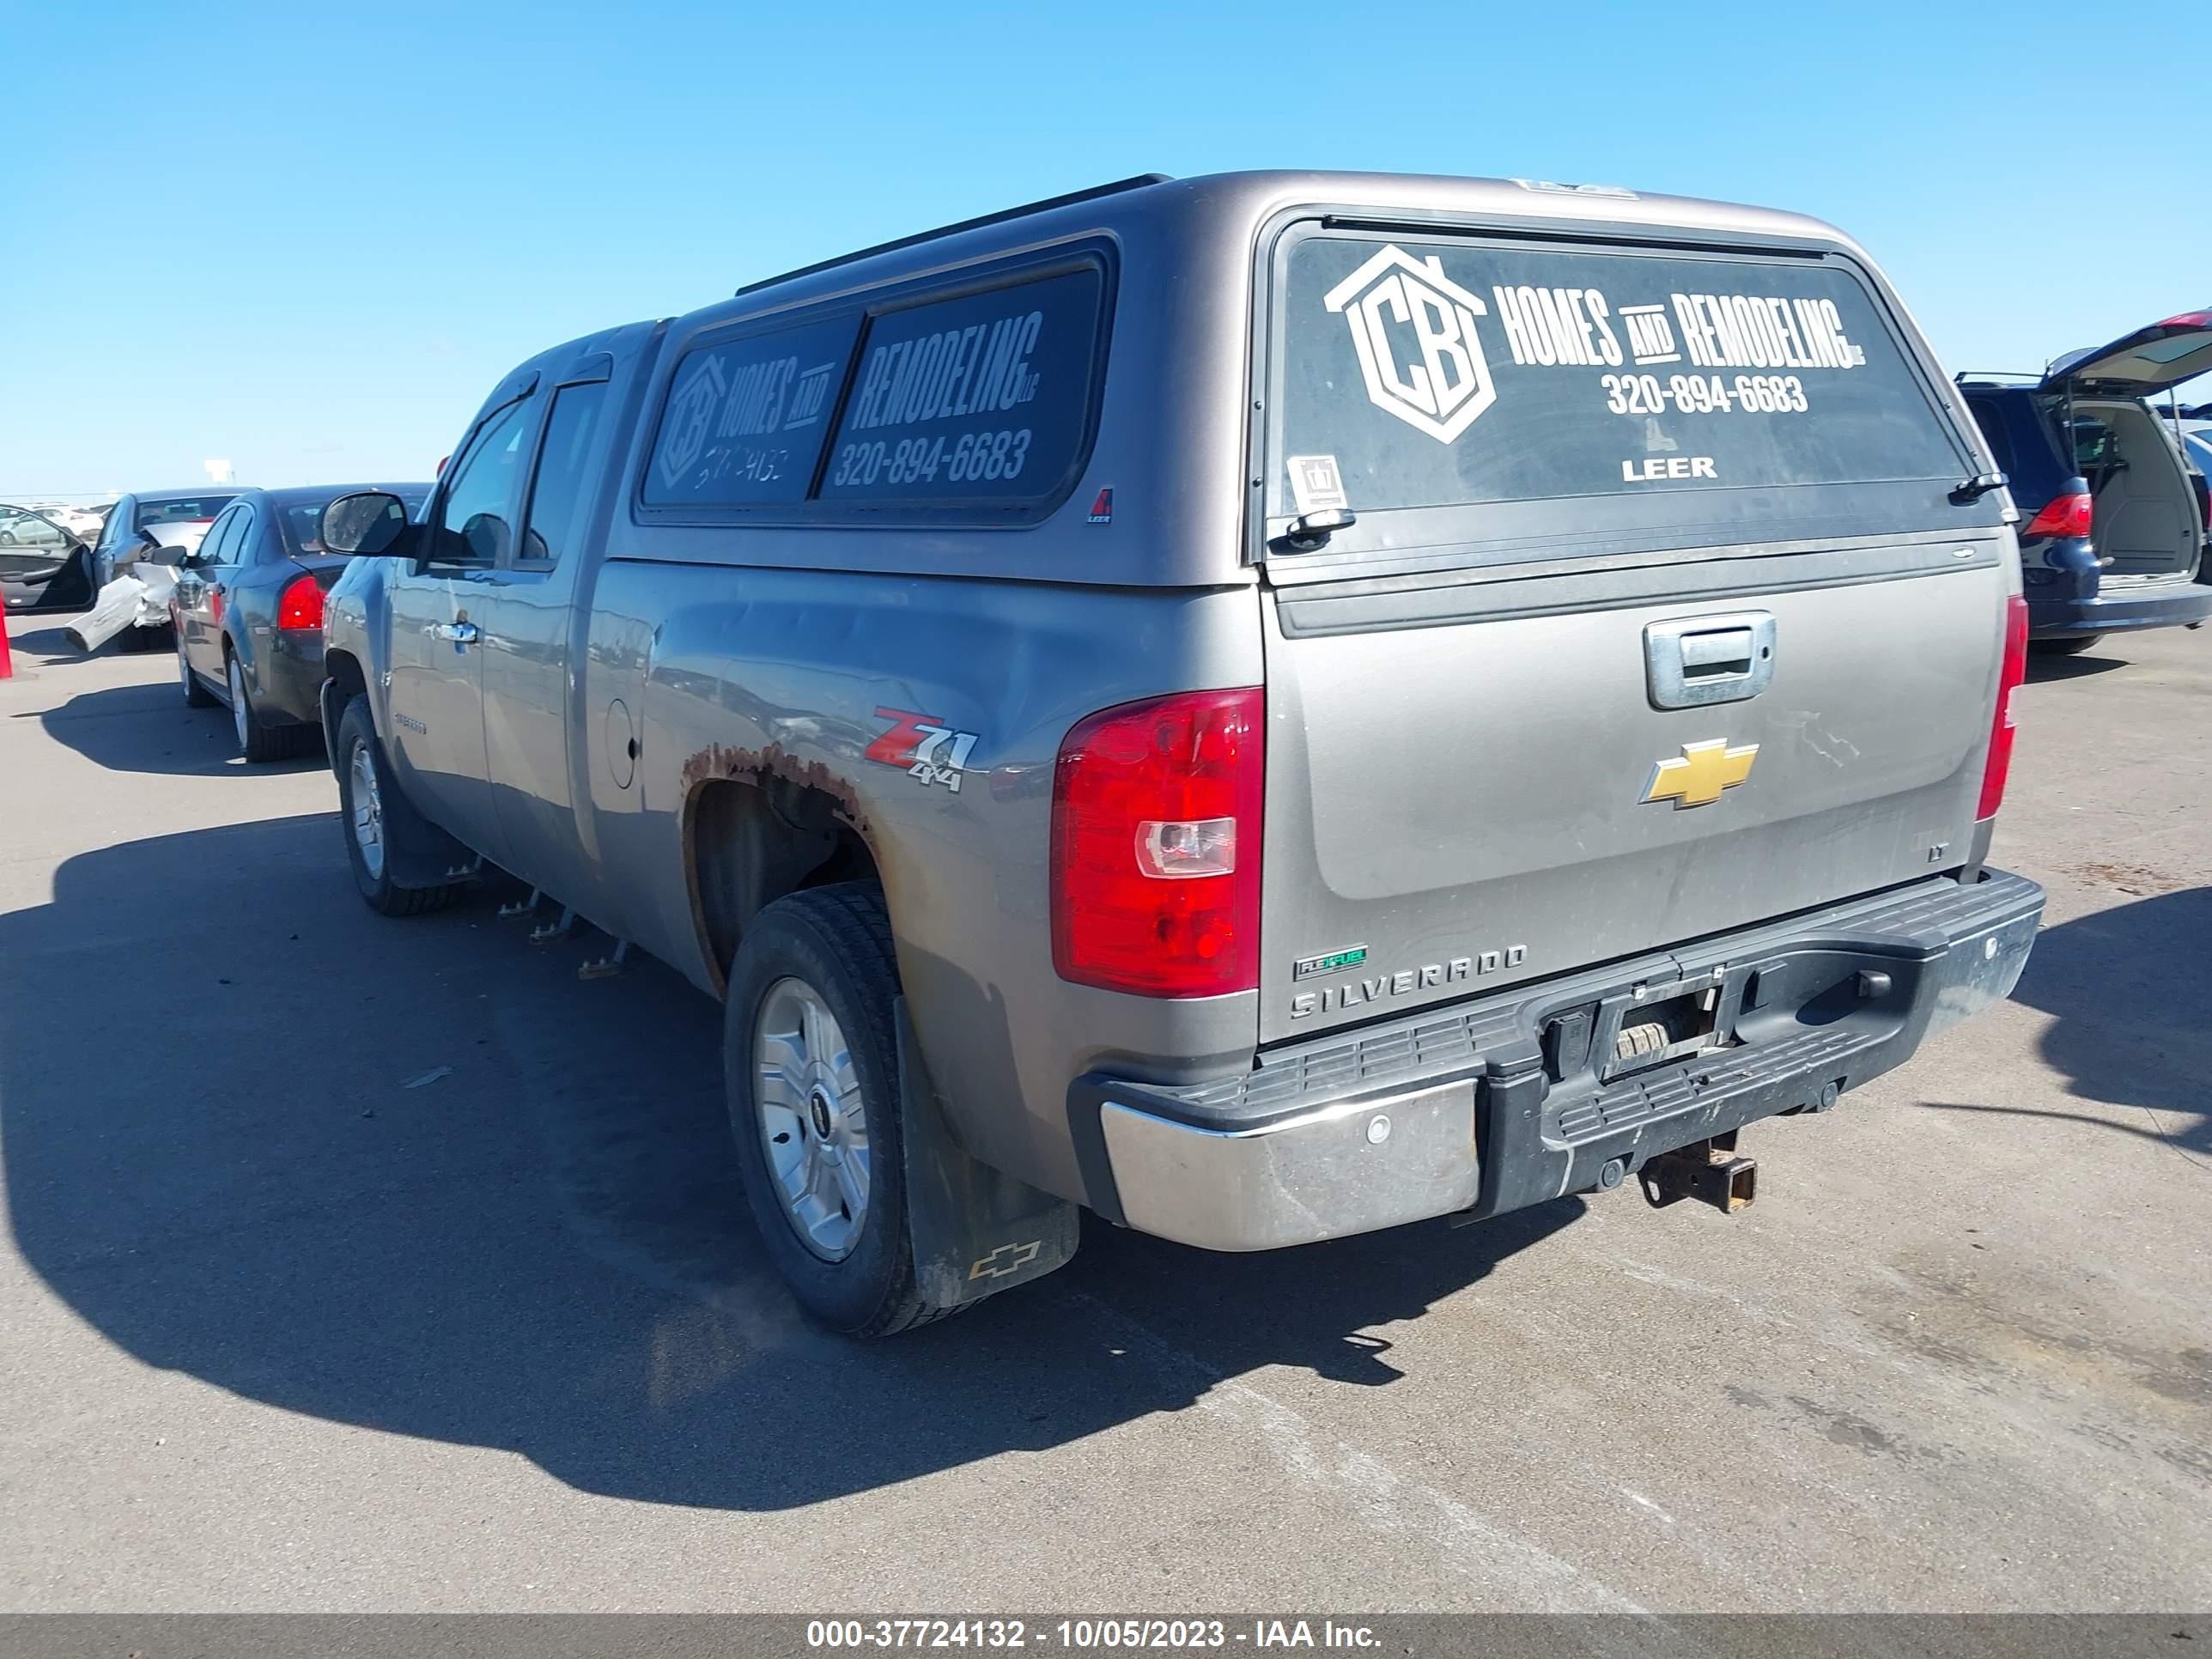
(1443, 384)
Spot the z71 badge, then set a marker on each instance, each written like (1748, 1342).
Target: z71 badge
(923, 747)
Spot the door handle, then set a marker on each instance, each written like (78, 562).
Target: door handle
(1707, 659)
(1718, 651)
(460, 633)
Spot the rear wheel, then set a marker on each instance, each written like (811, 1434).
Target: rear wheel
(195, 695)
(811, 1056)
(377, 822)
(2068, 647)
(256, 742)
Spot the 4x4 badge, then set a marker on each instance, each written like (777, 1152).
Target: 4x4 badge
(929, 752)
(1696, 777)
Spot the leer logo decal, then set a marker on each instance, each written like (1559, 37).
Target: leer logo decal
(1443, 392)
(926, 749)
(1696, 777)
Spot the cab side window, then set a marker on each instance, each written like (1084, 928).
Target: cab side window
(213, 550)
(558, 492)
(120, 521)
(1990, 418)
(237, 538)
(473, 526)
(22, 528)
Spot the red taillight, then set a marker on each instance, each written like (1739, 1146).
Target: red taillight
(2064, 515)
(1156, 846)
(2014, 670)
(301, 604)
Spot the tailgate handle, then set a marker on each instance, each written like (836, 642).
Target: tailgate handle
(1724, 651)
(1697, 660)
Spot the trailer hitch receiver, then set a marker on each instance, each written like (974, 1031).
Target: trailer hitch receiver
(1707, 1170)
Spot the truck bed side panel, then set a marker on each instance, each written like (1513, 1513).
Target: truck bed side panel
(744, 673)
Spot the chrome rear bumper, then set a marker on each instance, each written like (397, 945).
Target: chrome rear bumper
(1485, 1107)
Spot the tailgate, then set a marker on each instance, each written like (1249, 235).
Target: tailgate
(1658, 615)
(1458, 805)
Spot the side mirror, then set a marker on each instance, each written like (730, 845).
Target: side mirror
(370, 522)
(174, 557)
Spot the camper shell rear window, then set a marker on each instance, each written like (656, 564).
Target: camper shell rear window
(1516, 395)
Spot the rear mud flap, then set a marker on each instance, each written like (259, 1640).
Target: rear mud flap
(974, 1231)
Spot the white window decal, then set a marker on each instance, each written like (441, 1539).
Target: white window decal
(691, 414)
(1317, 484)
(1446, 384)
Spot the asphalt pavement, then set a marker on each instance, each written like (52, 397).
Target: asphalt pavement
(356, 1265)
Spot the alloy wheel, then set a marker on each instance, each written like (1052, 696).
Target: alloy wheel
(813, 1121)
(239, 718)
(368, 813)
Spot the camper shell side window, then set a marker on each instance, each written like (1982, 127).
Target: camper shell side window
(971, 402)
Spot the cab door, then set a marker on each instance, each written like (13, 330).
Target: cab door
(526, 610)
(42, 566)
(122, 525)
(200, 592)
(435, 694)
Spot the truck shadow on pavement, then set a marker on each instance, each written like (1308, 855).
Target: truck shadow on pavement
(110, 727)
(2043, 665)
(415, 1176)
(2113, 981)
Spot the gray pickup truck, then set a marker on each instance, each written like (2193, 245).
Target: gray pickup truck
(1266, 706)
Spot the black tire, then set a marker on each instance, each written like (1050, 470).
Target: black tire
(2068, 647)
(396, 821)
(259, 744)
(836, 941)
(134, 639)
(195, 695)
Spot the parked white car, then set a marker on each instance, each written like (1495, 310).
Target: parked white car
(84, 523)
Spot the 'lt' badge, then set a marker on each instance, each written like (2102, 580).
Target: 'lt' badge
(1697, 776)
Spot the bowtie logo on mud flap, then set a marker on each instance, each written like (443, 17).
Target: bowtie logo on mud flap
(1007, 1259)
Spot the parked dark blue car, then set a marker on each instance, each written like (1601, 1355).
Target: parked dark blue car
(249, 614)
(2113, 516)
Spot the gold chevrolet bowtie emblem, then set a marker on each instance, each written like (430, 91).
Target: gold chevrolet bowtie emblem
(1699, 775)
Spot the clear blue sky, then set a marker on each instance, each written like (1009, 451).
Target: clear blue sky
(308, 239)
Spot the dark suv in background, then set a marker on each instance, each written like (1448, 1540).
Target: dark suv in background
(2113, 513)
